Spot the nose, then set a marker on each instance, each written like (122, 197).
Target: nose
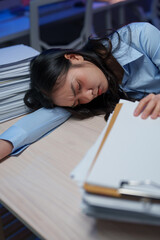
(85, 96)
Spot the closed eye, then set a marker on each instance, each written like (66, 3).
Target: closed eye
(75, 92)
(79, 86)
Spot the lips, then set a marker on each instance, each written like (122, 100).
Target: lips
(99, 91)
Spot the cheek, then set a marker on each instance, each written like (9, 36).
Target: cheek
(62, 98)
(57, 97)
(87, 79)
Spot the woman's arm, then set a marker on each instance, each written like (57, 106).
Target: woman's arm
(149, 38)
(5, 148)
(31, 128)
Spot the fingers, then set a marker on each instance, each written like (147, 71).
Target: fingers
(156, 112)
(149, 106)
(142, 104)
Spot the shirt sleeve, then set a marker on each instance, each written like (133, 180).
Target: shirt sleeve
(34, 126)
(149, 40)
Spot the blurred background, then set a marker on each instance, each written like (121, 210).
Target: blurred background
(43, 24)
(49, 23)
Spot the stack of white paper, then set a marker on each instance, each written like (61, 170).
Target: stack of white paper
(128, 154)
(14, 79)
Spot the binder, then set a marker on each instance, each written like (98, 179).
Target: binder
(123, 210)
(132, 145)
(122, 180)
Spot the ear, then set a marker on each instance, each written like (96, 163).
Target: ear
(74, 58)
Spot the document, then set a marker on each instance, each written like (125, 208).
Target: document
(122, 181)
(129, 156)
(16, 54)
(14, 79)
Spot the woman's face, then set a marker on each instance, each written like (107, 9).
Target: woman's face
(83, 82)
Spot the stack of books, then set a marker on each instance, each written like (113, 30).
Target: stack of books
(14, 80)
(119, 176)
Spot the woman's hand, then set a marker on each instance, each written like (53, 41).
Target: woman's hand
(5, 148)
(149, 106)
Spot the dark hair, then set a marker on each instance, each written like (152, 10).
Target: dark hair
(47, 67)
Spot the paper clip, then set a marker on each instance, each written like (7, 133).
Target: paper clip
(139, 192)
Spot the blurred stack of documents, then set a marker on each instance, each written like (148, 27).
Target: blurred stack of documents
(120, 175)
(14, 80)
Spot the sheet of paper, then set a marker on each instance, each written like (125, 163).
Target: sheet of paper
(14, 79)
(130, 153)
(16, 54)
(16, 112)
(122, 204)
(79, 174)
(11, 89)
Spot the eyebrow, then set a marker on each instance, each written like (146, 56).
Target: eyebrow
(74, 93)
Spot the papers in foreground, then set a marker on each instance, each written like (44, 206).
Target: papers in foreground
(120, 175)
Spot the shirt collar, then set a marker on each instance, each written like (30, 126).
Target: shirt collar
(125, 53)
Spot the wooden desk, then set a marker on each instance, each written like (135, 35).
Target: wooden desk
(37, 188)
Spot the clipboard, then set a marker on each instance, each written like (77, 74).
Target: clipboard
(142, 186)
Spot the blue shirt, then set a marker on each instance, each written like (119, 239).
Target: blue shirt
(34, 126)
(139, 55)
